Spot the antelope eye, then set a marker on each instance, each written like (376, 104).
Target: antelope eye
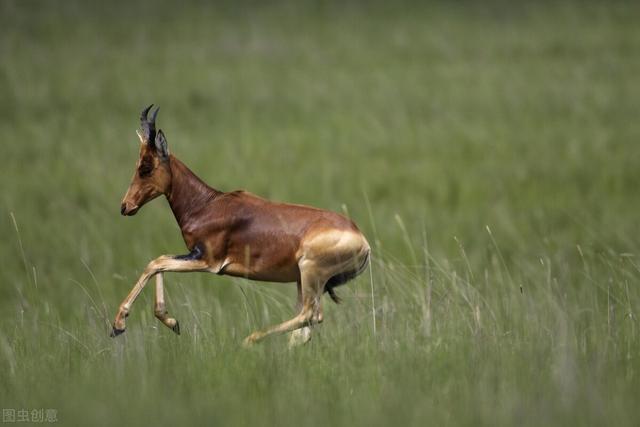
(145, 169)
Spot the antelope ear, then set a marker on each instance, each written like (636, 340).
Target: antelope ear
(161, 145)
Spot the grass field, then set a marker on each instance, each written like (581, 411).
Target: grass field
(489, 152)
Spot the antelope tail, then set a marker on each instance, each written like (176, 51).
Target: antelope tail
(344, 277)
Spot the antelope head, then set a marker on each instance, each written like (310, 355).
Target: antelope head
(152, 176)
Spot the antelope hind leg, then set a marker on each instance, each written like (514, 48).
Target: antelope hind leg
(303, 335)
(309, 293)
(299, 336)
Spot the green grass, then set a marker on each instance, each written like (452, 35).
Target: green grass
(488, 151)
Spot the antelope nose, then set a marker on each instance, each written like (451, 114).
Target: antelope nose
(123, 209)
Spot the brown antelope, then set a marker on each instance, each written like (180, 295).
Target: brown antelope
(240, 234)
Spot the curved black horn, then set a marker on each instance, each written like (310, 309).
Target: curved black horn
(154, 115)
(147, 126)
(143, 115)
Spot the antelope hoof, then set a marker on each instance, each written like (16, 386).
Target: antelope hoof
(115, 332)
(176, 328)
(299, 337)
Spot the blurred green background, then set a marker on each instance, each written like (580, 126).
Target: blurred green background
(489, 151)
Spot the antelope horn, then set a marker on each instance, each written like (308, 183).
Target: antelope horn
(147, 126)
(153, 116)
(143, 115)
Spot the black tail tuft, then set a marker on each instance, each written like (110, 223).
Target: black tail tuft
(332, 294)
(342, 278)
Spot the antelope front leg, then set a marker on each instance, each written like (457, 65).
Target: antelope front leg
(164, 263)
(160, 309)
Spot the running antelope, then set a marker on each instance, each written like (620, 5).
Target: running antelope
(240, 234)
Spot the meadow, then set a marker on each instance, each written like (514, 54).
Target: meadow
(489, 152)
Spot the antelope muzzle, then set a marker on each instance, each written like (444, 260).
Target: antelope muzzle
(127, 209)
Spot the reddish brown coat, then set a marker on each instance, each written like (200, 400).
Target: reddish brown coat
(241, 234)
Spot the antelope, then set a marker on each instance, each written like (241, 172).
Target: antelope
(240, 234)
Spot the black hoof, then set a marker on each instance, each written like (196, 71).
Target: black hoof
(115, 332)
(176, 328)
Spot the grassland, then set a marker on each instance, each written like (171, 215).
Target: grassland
(489, 152)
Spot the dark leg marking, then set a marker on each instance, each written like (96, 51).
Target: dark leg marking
(196, 253)
(115, 331)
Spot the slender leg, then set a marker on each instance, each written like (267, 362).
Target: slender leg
(160, 309)
(299, 301)
(302, 335)
(163, 263)
(311, 292)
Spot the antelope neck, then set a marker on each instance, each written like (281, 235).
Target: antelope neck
(187, 193)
